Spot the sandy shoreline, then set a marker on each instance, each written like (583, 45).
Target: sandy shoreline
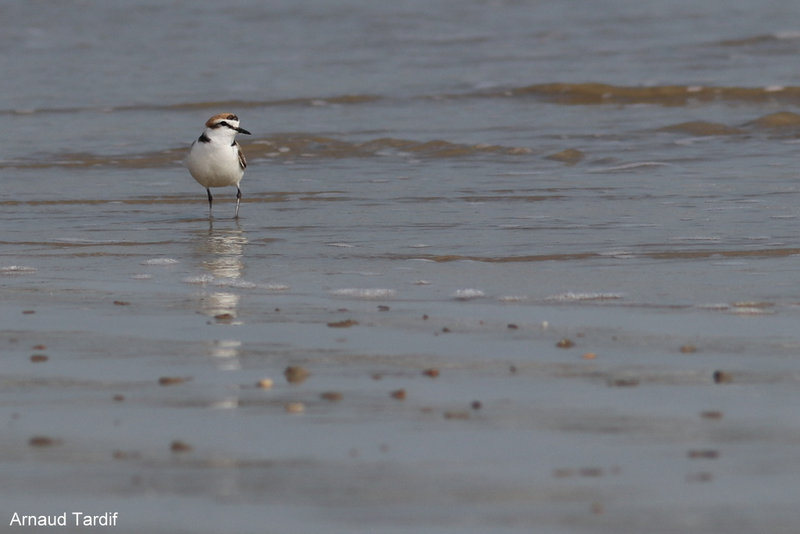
(134, 406)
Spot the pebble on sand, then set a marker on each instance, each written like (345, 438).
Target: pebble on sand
(43, 441)
(623, 382)
(347, 323)
(722, 377)
(331, 396)
(296, 374)
(264, 383)
(179, 446)
(703, 454)
(294, 407)
(172, 380)
(565, 343)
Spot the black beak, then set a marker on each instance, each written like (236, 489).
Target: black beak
(243, 131)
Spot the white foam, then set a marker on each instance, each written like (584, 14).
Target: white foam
(618, 254)
(199, 279)
(364, 293)
(749, 310)
(274, 287)
(241, 284)
(234, 282)
(17, 269)
(468, 294)
(160, 261)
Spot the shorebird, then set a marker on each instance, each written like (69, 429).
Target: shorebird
(216, 159)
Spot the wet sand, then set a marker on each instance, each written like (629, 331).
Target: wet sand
(444, 392)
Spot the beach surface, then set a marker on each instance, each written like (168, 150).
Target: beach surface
(499, 267)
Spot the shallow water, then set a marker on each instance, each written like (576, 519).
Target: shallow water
(449, 186)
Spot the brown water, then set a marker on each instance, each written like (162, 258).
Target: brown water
(438, 196)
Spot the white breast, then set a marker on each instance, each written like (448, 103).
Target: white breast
(215, 163)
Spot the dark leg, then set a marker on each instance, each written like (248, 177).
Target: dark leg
(210, 200)
(238, 199)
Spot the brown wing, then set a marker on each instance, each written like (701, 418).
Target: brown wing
(242, 160)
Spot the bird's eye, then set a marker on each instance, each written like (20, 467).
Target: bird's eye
(223, 123)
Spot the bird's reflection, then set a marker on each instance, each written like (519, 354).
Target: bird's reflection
(220, 252)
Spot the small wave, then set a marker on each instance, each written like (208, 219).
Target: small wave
(631, 166)
(282, 146)
(777, 120)
(580, 297)
(712, 238)
(211, 105)
(665, 95)
(701, 129)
